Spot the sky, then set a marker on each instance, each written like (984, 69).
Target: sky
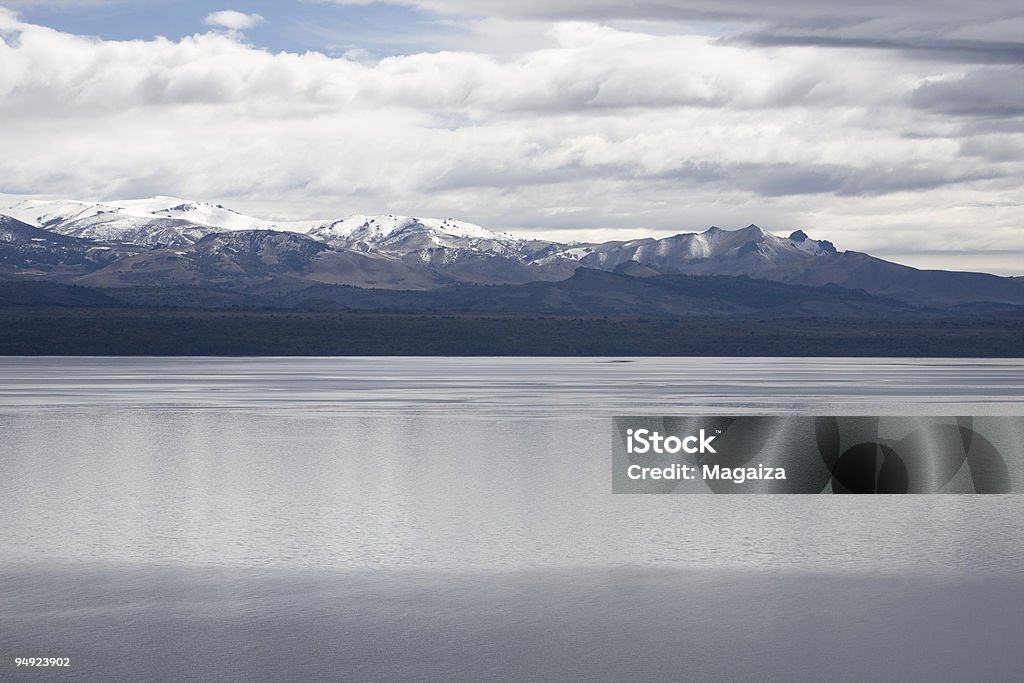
(895, 128)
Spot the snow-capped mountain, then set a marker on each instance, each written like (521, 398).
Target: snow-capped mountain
(157, 221)
(109, 222)
(167, 240)
(425, 239)
(174, 222)
(53, 213)
(749, 251)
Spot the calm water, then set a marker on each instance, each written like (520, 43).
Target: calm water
(411, 519)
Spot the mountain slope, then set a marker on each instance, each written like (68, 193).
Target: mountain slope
(168, 241)
(938, 288)
(259, 258)
(30, 252)
(155, 222)
(462, 251)
(109, 222)
(594, 292)
(750, 251)
(797, 260)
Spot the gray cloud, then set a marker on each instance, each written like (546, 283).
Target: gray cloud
(791, 11)
(994, 148)
(983, 31)
(764, 180)
(962, 51)
(776, 180)
(992, 92)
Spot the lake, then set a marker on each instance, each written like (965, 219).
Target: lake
(452, 519)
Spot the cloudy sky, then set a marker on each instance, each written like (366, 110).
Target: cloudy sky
(890, 127)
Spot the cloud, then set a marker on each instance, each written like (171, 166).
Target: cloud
(586, 68)
(985, 31)
(587, 130)
(992, 92)
(962, 51)
(867, 19)
(232, 20)
(788, 10)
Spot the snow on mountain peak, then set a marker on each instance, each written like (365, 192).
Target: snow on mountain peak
(425, 239)
(201, 213)
(172, 221)
(384, 227)
(165, 219)
(41, 213)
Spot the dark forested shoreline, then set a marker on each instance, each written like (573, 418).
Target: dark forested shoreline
(122, 331)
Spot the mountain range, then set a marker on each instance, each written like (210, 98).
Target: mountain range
(170, 251)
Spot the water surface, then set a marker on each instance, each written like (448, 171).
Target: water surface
(416, 519)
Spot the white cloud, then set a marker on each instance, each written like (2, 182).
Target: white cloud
(232, 20)
(592, 131)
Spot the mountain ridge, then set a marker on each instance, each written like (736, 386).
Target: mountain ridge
(171, 242)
